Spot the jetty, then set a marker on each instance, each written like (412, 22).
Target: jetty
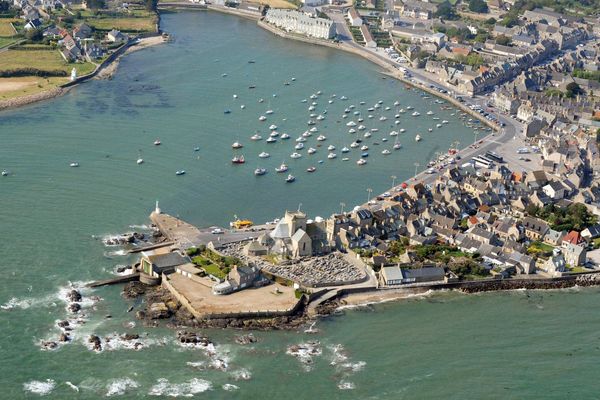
(116, 280)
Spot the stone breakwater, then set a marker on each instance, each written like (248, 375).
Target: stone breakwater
(32, 98)
(532, 284)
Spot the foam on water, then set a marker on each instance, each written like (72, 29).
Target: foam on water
(41, 388)
(185, 389)
(304, 352)
(345, 385)
(114, 342)
(241, 374)
(118, 387)
(230, 387)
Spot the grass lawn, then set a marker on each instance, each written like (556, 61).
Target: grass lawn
(27, 85)
(214, 270)
(5, 27)
(5, 41)
(539, 247)
(46, 60)
(134, 24)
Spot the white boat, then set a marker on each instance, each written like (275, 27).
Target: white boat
(311, 108)
(418, 138)
(237, 145)
(157, 142)
(360, 119)
(382, 118)
(364, 147)
(301, 139)
(330, 147)
(393, 133)
(362, 161)
(312, 150)
(285, 136)
(444, 122)
(274, 134)
(313, 96)
(269, 112)
(299, 146)
(397, 146)
(242, 106)
(402, 111)
(314, 103)
(290, 178)
(351, 106)
(384, 139)
(367, 135)
(295, 155)
(374, 129)
(409, 107)
(402, 130)
(180, 172)
(343, 98)
(271, 139)
(262, 118)
(282, 168)
(140, 161)
(361, 127)
(416, 114)
(344, 116)
(351, 130)
(260, 171)
(385, 152)
(438, 126)
(430, 112)
(261, 100)
(331, 156)
(345, 159)
(380, 102)
(264, 154)
(304, 101)
(387, 109)
(321, 138)
(238, 160)
(320, 117)
(370, 116)
(273, 127)
(311, 122)
(235, 96)
(345, 149)
(354, 145)
(256, 136)
(313, 129)
(370, 109)
(74, 164)
(397, 116)
(396, 103)
(351, 123)
(438, 118)
(330, 101)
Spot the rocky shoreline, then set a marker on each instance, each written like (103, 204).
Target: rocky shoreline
(32, 98)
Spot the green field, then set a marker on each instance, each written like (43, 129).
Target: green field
(5, 41)
(5, 27)
(47, 60)
(134, 24)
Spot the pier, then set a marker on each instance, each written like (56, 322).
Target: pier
(114, 281)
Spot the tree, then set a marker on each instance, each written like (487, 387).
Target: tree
(446, 11)
(95, 4)
(510, 20)
(490, 21)
(478, 6)
(35, 35)
(151, 5)
(573, 89)
(598, 136)
(503, 40)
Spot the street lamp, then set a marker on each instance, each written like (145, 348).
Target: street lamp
(342, 205)
(369, 191)
(394, 177)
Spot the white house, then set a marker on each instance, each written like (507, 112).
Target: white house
(555, 190)
(297, 22)
(354, 18)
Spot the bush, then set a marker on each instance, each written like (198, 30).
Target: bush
(478, 6)
(9, 73)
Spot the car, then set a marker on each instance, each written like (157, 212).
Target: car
(217, 231)
(521, 158)
(527, 159)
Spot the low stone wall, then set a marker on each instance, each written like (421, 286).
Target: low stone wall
(234, 11)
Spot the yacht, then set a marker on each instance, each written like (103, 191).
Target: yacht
(430, 112)
(393, 133)
(385, 152)
(364, 147)
(237, 145)
(418, 138)
(331, 156)
(74, 164)
(238, 160)
(272, 127)
(285, 136)
(180, 172)
(262, 118)
(271, 139)
(157, 142)
(362, 161)
(256, 136)
(330, 147)
(295, 155)
(260, 171)
(354, 145)
(345, 149)
(321, 138)
(290, 178)
(416, 114)
(312, 150)
(299, 146)
(264, 154)
(351, 123)
(282, 168)
(351, 130)
(311, 169)
(269, 112)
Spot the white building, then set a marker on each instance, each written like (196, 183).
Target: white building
(297, 22)
(354, 18)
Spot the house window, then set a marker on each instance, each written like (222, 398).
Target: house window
(303, 246)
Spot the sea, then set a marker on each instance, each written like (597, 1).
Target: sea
(53, 219)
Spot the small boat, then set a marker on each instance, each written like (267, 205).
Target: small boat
(364, 148)
(416, 114)
(444, 122)
(272, 127)
(351, 130)
(314, 129)
(384, 139)
(343, 98)
(354, 145)
(157, 142)
(374, 130)
(259, 100)
(223, 75)
(256, 136)
(320, 117)
(364, 155)
(330, 101)
(401, 111)
(304, 101)
(345, 150)
(351, 123)
(196, 148)
(345, 159)
(387, 109)
(418, 138)
(397, 146)
(290, 178)
(252, 87)
(299, 146)
(301, 139)
(362, 161)
(438, 118)
(311, 169)
(402, 130)
(264, 154)
(330, 147)
(285, 136)
(312, 108)
(438, 126)
(320, 161)
(251, 61)
(362, 103)
(361, 127)
(311, 122)
(180, 172)
(397, 116)
(74, 164)
(380, 102)
(274, 134)
(262, 118)
(242, 106)
(271, 139)
(370, 116)
(295, 155)
(312, 150)
(367, 135)
(140, 161)
(260, 171)
(360, 119)
(396, 103)
(331, 156)
(430, 112)
(235, 96)
(370, 109)
(385, 152)
(293, 79)
(393, 133)
(4, 172)
(429, 130)
(269, 112)
(237, 145)
(409, 107)
(238, 160)
(282, 168)
(228, 111)
(321, 138)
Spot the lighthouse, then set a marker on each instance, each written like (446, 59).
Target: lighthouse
(73, 74)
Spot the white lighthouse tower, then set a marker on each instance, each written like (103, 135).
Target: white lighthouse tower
(73, 74)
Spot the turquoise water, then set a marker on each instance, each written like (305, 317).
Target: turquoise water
(52, 216)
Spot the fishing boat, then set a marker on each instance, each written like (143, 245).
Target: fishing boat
(299, 146)
(295, 155)
(264, 154)
(321, 138)
(418, 138)
(285, 136)
(238, 160)
(362, 161)
(290, 178)
(331, 156)
(180, 172)
(260, 171)
(311, 169)
(282, 168)
(256, 136)
(262, 118)
(345, 149)
(74, 164)
(271, 139)
(157, 142)
(237, 145)
(385, 152)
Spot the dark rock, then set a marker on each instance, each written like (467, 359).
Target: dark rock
(64, 337)
(130, 336)
(74, 296)
(49, 345)
(159, 311)
(245, 339)
(121, 269)
(192, 338)
(63, 324)
(74, 307)
(140, 314)
(134, 289)
(95, 340)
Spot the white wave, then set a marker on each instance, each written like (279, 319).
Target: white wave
(339, 354)
(353, 367)
(69, 384)
(14, 302)
(186, 389)
(393, 297)
(114, 342)
(241, 374)
(229, 387)
(197, 364)
(345, 385)
(305, 352)
(141, 227)
(118, 387)
(41, 388)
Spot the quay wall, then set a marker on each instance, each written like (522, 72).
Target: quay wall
(240, 13)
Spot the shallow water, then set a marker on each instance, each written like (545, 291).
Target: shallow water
(486, 346)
